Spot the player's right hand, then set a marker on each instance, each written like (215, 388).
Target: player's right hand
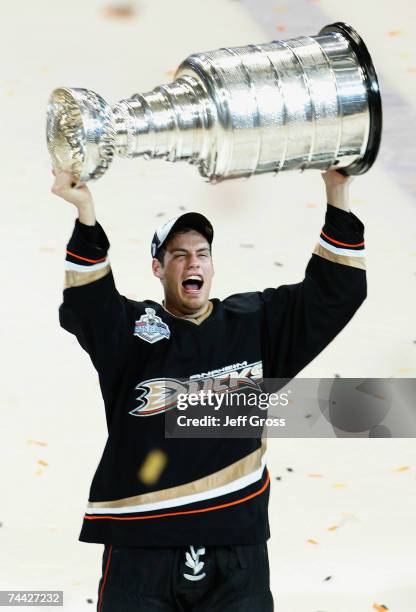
(66, 187)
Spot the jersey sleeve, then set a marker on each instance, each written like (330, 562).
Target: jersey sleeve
(92, 308)
(300, 320)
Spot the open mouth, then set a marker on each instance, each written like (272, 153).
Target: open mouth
(192, 284)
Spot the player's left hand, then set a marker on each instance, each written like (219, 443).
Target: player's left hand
(333, 178)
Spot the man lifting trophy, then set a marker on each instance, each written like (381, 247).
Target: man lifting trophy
(184, 522)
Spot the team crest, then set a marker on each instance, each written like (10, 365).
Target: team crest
(151, 328)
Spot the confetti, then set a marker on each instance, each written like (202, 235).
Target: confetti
(278, 478)
(333, 528)
(311, 205)
(89, 600)
(152, 467)
(338, 485)
(404, 468)
(277, 263)
(281, 28)
(315, 475)
(182, 207)
(380, 607)
(394, 33)
(39, 472)
(36, 442)
(312, 541)
(280, 9)
(160, 214)
(247, 246)
(289, 469)
(41, 462)
(327, 578)
(125, 11)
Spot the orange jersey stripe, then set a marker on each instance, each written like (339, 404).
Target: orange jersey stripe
(100, 600)
(156, 516)
(85, 258)
(343, 243)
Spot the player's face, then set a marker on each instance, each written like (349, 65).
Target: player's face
(186, 274)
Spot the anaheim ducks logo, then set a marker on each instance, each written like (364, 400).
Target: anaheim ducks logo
(158, 395)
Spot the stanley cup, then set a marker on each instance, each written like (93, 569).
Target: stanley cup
(311, 102)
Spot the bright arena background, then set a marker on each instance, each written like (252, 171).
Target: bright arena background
(355, 522)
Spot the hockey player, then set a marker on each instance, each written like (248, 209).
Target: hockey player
(196, 537)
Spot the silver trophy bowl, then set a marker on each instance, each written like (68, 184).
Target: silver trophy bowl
(311, 102)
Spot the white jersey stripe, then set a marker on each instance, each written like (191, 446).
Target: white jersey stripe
(338, 251)
(235, 485)
(69, 265)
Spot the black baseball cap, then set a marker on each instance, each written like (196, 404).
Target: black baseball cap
(192, 220)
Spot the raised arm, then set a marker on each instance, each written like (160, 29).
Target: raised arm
(301, 319)
(92, 308)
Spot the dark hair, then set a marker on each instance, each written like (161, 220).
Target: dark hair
(160, 255)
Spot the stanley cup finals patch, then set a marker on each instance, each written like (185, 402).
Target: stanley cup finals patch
(151, 328)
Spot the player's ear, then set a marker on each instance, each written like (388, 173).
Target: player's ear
(156, 267)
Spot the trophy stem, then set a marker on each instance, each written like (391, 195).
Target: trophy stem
(170, 122)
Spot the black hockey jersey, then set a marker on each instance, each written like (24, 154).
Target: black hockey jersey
(210, 491)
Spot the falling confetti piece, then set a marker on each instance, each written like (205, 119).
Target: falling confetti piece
(394, 33)
(280, 9)
(277, 263)
(1, 524)
(152, 467)
(39, 472)
(42, 462)
(338, 485)
(160, 214)
(333, 528)
(404, 370)
(404, 468)
(36, 442)
(380, 607)
(312, 541)
(89, 600)
(311, 205)
(125, 11)
(337, 376)
(281, 28)
(289, 469)
(182, 207)
(327, 578)
(278, 478)
(247, 246)
(315, 475)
